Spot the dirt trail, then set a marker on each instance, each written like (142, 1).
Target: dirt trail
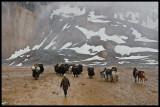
(19, 88)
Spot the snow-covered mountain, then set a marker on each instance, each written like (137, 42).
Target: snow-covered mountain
(101, 34)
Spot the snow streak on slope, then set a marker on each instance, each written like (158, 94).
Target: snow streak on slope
(133, 57)
(87, 49)
(66, 26)
(67, 11)
(134, 16)
(11, 63)
(122, 62)
(51, 43)
(36, 47)
(103, 36)
(66, 45)
(123, 16)
(20, 64)
(138, 36)
(19, 53)
(25, 60)
(150, 23)
(95, 18)
(122, 49)
(151, 62)
(94, 58)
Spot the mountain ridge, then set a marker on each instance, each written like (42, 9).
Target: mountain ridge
(49, 28)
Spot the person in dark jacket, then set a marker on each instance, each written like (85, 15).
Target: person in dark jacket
(134, 73)
(65, 84)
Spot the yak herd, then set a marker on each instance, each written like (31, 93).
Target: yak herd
(77, 69)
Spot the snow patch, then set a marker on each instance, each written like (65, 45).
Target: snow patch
(122, 62)
(20, 64)
(122, 49)
(95, 18)
(11, 63)
(132, 57)
(105, 63)
(66, 60)
(66, 26)
(87, 49)
(138, 37)
(51, 43)
(67, 11)
(94, 58)
(36, 47)
(103, 36)
(66, 45)
(149, 23)
(25, 60)
(28, 56)
(134, 16)
(150, 61)
(19, 53)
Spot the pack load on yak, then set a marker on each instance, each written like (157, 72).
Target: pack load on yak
(35, 71)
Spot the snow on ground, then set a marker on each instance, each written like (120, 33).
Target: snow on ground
(20, 64)
(66, 45)
(124, 26)
(118, 22)
(75, 44)
(138, 36)
(134, 16)
(149, 23)
(94, 58)
(122, 62)
(66, 60)
(105, 63)
(28, 55)
(121, 15)
(25, 60)
(122, 49)
(21, 56)
(19, 53)
(97, 62)
(132, 57)
(95, 18)
(103, 36)
(150, 61)
(92, 64)
(51, 43)
(66, 26)
(67, 11)
(36, 47)
(87, 49)
(11, 63)
(129, 14)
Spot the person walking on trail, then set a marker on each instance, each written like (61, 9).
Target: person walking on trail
(134, 73)
(65, 84)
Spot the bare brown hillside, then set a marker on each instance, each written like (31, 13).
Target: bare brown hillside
(19, 88)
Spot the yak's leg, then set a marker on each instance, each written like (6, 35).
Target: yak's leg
(138, 79)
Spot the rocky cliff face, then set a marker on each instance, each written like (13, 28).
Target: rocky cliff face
(20, 26)
(77, 32)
